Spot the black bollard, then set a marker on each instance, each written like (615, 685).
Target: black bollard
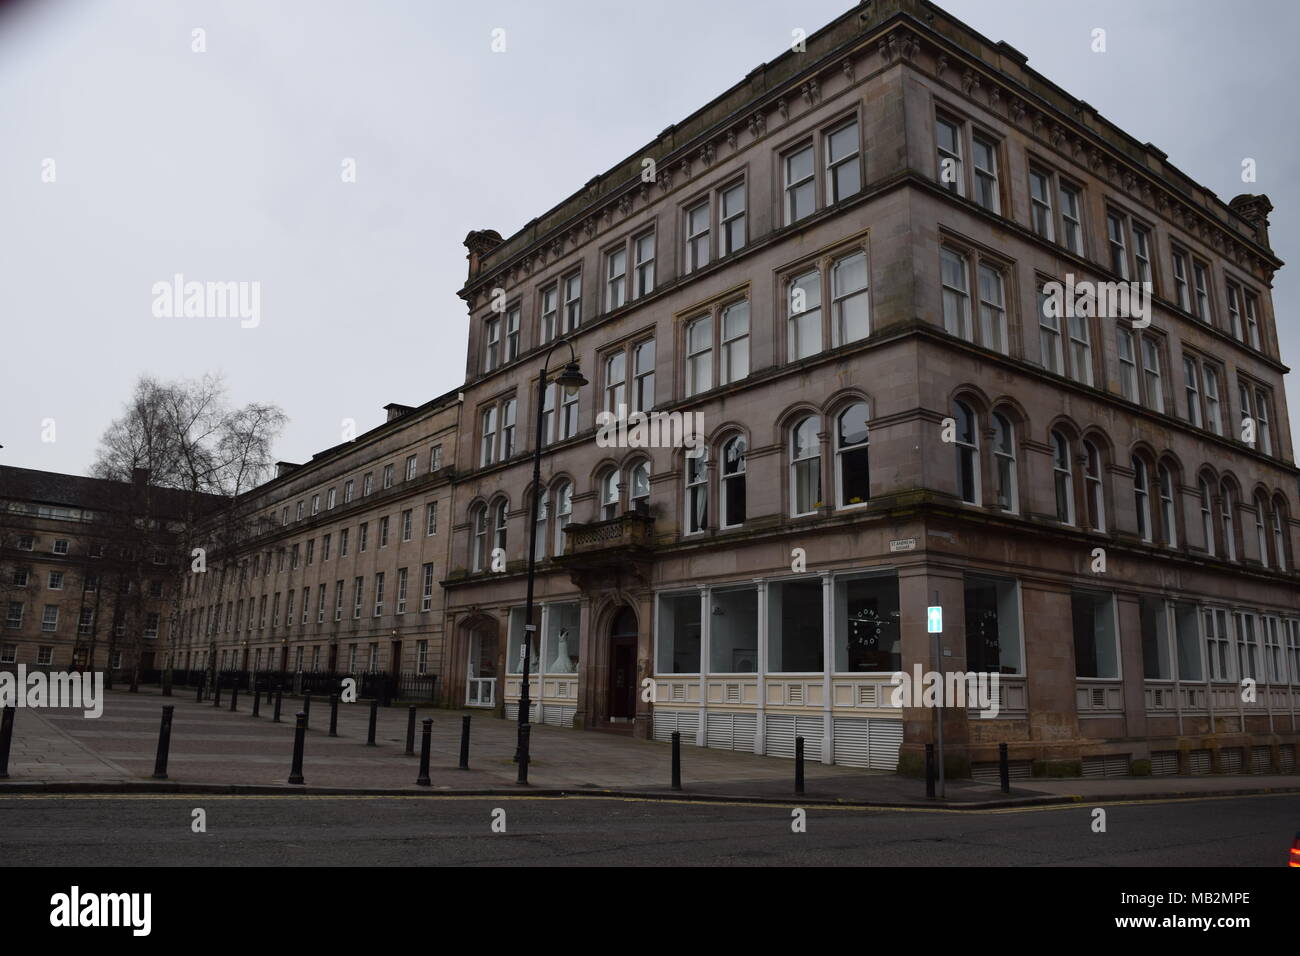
(410, 730)
(299, 737)
(525, 730)
(234, 695)
(334, 715)
(198, 694)
(306, 708)
(798, 765)
(677, 760)
(279, 699)
(374, 714)
(1004, 768)
(164, 743)
(464, 742)
(426, 742)
(257, 701)
(6, 738)
(929, 771)
(216, 692)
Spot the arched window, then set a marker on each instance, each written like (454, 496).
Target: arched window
(968, 469)
(1207, 516)
(539, 544)
(479, 544)
(805, 466)
(609, 494)
(852, 469)
(1168, 514)
(640, 493)
(697, 492)
(1142, 498)
(563, 513)
(1004, 454)
(1279, 542)
(1093, 487)
(1227, 508)
(499, 535)
(1261, 536)
(1062, 478)
(733, 482)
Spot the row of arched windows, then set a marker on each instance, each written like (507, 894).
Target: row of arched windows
(1079, 487)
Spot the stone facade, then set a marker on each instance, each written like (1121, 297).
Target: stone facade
(787, 615)
(74, 594)
(286, 598)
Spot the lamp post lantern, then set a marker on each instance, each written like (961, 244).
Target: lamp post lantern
(570, 379)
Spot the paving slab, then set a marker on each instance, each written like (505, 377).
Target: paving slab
(212, 747)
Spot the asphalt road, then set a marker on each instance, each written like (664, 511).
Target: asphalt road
(328, 831)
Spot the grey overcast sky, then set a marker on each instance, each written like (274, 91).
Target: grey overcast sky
(225, 165)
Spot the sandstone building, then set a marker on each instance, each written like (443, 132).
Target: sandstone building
(841, 263)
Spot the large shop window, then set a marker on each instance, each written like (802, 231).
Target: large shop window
(794, 627)
(1155, 640)
(733, 631)
(992, 626)
(679, 634)
(556, 646)
(867, 636)
(1096, 651)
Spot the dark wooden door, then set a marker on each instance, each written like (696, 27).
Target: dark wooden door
(622, 677)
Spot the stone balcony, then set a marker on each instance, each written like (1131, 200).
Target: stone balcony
(602, 553)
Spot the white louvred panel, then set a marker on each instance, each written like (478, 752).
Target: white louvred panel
(779, 735)
(852, 742)
(886, 738)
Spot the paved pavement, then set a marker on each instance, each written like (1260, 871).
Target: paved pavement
(300, 830)
(214, 748)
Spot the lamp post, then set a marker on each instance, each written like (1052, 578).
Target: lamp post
(570, 379)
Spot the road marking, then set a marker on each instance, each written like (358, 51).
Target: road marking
(1082, 802)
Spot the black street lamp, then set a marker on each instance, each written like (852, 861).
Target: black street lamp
(570, 380)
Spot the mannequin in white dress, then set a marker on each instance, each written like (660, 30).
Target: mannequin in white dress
(562, 664)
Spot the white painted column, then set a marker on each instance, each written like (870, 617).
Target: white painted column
(760, 734)
(828, 665)
(706, 616)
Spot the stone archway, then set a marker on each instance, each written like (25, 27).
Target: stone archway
(473, 675)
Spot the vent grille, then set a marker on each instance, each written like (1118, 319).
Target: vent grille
(1106, 765)
(1230, 760)
(1164, 762)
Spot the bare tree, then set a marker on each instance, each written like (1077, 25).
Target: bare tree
(189, 457)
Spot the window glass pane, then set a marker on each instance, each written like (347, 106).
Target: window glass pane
(794, 627)
(867, 636)
(678, 634)
(1095, 650)
(992, 626)
(1189, 643)
(1155, 640)
(733, 632)
(560, 651)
